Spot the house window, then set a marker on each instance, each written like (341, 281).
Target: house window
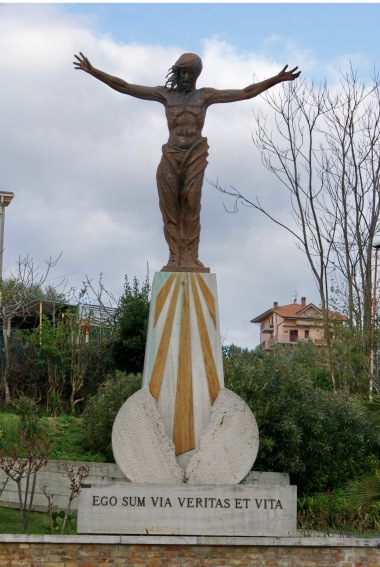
(293, 336)
(306, 333)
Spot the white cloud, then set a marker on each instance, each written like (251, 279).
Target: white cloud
(82, 159)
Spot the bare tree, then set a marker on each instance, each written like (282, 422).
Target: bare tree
(324, 151)
(352, 169)
(23, 469)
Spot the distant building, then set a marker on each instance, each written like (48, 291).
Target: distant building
(289, 324)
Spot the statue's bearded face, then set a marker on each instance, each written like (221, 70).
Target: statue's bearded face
(186, 79)
(184, 73)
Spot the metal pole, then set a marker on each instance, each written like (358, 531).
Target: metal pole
(5, 199)
(372, 353)
(2, 213)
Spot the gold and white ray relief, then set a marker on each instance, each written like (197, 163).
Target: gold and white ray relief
(183, 367)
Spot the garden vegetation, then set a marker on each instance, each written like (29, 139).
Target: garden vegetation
(69, 393)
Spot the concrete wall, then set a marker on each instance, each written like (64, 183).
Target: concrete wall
(146, 551)
(57, 484)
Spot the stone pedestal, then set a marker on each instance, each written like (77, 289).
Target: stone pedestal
(183, 425)
(184, 440)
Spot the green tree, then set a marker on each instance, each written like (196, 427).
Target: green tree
(53, 356)
(67, 361)
(352, 363)
(131, 327)
(365, 490)
(17, 291)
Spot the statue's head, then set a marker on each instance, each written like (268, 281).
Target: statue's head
(184, 73)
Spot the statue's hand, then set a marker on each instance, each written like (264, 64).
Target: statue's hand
(82, 63)
(285, 75)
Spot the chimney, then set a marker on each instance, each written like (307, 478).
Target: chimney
(303, 301)
(275, 304)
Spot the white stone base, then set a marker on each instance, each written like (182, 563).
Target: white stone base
(145, 453)
(202, 510)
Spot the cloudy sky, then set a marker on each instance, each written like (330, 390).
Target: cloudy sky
(81, 158)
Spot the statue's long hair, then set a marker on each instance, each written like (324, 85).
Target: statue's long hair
(186, 60)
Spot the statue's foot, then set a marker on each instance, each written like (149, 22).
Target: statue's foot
(176, 264)
(187, 262)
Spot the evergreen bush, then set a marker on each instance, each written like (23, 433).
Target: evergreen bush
(101, 411)
(316, 436)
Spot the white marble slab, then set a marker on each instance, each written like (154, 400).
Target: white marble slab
(297, 540)
(228, 446)
(142, 450)
(152, 509)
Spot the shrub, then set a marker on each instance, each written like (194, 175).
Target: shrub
(314, 435)
(101, 411)
(27, 410)
(333, 512)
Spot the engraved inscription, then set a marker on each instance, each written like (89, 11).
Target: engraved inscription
(190, 502)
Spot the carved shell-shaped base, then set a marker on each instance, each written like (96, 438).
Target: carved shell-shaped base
(145, 454)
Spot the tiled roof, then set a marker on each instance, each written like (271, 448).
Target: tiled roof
(291, 310)
(296, 310)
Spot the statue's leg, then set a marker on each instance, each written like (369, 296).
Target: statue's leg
(190, 218)
(191, 175)
(168, 187)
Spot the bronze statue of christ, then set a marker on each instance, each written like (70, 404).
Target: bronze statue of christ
(184, 156)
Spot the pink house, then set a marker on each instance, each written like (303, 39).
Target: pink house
(291, 323)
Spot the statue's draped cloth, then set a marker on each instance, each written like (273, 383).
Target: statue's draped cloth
(179, 182)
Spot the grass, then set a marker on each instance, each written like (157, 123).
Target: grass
(9, 431)
(38, 523)
(65, 432)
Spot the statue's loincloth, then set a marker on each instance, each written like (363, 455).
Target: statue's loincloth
(187, 164)
(179, 182)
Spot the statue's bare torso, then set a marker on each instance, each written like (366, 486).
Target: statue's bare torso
(185, 111)
(185, 114)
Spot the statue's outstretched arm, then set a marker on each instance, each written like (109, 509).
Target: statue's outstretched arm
(233, 95)
(147, 93)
